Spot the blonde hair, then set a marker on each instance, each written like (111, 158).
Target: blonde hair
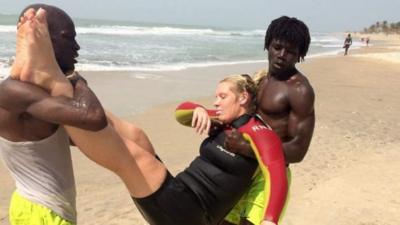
(244, 83)
(258, 76)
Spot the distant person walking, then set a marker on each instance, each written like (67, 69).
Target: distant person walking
(347, 42)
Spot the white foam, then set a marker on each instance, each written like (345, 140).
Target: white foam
(4, 70)
(3, 76)
(133, 30)
(136, 30)
(173, 67)
(182, 66)
(8, 28)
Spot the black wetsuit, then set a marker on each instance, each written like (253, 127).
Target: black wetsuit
(205, 191)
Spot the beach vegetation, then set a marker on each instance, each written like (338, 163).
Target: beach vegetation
(383, 27)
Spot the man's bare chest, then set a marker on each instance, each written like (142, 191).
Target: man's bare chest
(272, 98)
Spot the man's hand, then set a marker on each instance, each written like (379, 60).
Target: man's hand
(216, 127)
(75, 77)
(235, 143)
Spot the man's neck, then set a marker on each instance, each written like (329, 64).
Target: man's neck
(283, 75)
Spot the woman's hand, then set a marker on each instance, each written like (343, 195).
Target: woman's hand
(201, 121)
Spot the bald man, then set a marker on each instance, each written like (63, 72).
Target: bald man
(34, 148)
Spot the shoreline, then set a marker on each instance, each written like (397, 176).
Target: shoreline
(177, 68)
(134, 96)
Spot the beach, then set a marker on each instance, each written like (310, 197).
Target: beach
(350, 175)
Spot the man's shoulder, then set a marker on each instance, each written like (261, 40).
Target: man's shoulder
(301, 89)
(300, 80)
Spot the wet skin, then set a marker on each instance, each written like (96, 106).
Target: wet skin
(285, 101)
(29, 113)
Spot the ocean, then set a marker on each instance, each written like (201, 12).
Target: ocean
(130, 46)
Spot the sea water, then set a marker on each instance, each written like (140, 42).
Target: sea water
(129, 46)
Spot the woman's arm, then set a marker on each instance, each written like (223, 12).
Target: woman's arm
(268, 150)
(196, 116)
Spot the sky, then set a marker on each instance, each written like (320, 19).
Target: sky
(319, 15)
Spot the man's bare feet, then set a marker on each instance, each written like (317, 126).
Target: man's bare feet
(35, 60)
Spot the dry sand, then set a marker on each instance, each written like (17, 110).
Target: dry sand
(350, 176)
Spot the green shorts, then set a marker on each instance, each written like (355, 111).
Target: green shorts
(25, 212)
(251, 205)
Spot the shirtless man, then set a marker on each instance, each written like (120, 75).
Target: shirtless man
(33, 146)
(285, 97)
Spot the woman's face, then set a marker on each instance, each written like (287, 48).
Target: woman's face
(228, 102)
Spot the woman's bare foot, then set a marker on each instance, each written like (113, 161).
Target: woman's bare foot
(20, 58)
(37, 62)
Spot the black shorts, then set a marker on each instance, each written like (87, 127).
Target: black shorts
(172, 204)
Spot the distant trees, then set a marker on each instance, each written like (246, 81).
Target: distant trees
(383, 27)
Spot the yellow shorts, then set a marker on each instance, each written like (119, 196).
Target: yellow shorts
(25, 212)
(251, 205)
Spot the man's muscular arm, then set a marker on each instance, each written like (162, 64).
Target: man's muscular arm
(83, 110)
(300, 123)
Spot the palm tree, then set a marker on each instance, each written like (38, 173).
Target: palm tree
(392, 28)
(372, 29)
(398, 27)
(385, 27)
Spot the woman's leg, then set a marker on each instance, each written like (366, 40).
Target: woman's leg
(130, 131)
(141, 172)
